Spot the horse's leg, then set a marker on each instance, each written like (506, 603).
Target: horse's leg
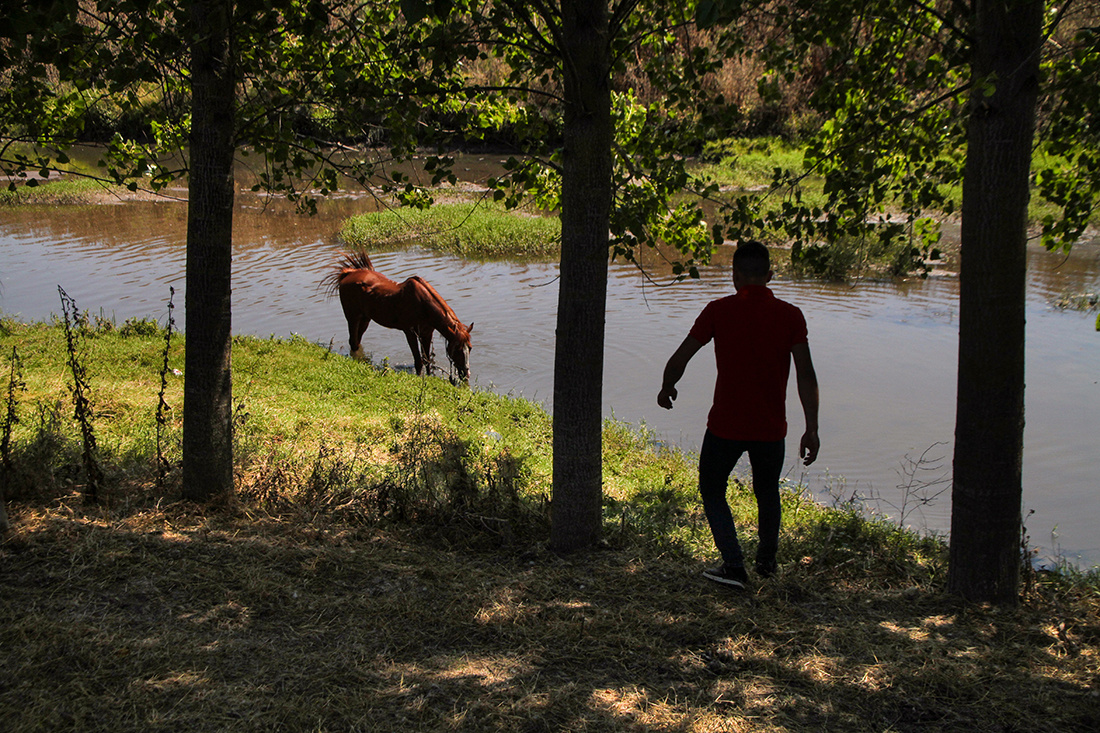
(358, 318)
(426, 348)
(356, 329)
(418, 360)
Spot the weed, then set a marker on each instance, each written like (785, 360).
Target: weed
(1078, 301)
(44, 457)
(163, 465)
(142, 326)
(886, 253)
(16, 386)
(923, 480)
(76, 327)
(749, 163)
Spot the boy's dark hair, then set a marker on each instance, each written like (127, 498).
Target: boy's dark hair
(751, 259)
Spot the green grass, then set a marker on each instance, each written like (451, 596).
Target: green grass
(315, 428)
(476, 230)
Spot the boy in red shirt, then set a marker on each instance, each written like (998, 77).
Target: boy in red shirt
(755, 336)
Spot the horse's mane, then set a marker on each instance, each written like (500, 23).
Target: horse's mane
(351, 261)
(448, 313)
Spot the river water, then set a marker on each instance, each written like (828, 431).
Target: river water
(885, 353)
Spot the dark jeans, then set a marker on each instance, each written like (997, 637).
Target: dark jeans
(716, 461)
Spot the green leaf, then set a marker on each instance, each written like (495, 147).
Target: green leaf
(415, 10)
(706, 14)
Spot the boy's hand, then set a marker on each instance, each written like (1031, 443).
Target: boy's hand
(666, 397)
(809, 446)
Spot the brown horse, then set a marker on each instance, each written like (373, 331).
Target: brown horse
(412, 306)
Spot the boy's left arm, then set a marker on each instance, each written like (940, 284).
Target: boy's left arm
(806, 378)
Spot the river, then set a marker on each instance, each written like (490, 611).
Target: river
(885, 352)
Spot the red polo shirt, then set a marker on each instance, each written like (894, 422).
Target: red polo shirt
(753, 334)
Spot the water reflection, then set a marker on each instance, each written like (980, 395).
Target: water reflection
(885, 352)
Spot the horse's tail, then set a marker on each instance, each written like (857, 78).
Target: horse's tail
(351, 262)
(359, 260)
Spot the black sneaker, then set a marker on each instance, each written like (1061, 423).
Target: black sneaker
(766, 569)
(734, 576)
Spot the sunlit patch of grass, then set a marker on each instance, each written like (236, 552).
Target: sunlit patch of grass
(749, 163)
(308, 425)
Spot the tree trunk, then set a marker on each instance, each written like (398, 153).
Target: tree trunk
(582, 295)
(208, 393)
(985, 554)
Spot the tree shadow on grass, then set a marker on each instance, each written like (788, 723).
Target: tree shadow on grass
(178, 621)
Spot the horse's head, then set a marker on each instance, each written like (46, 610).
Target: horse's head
(458, 351)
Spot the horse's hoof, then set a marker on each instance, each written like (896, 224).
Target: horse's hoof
(359, 354)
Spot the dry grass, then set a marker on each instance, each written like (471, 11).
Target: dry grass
(170, 618)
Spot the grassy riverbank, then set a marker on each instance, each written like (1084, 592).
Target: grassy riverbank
(384, 567)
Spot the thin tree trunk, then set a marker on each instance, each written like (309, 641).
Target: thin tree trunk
(208, 393)
(585, 218)
(985, 554)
